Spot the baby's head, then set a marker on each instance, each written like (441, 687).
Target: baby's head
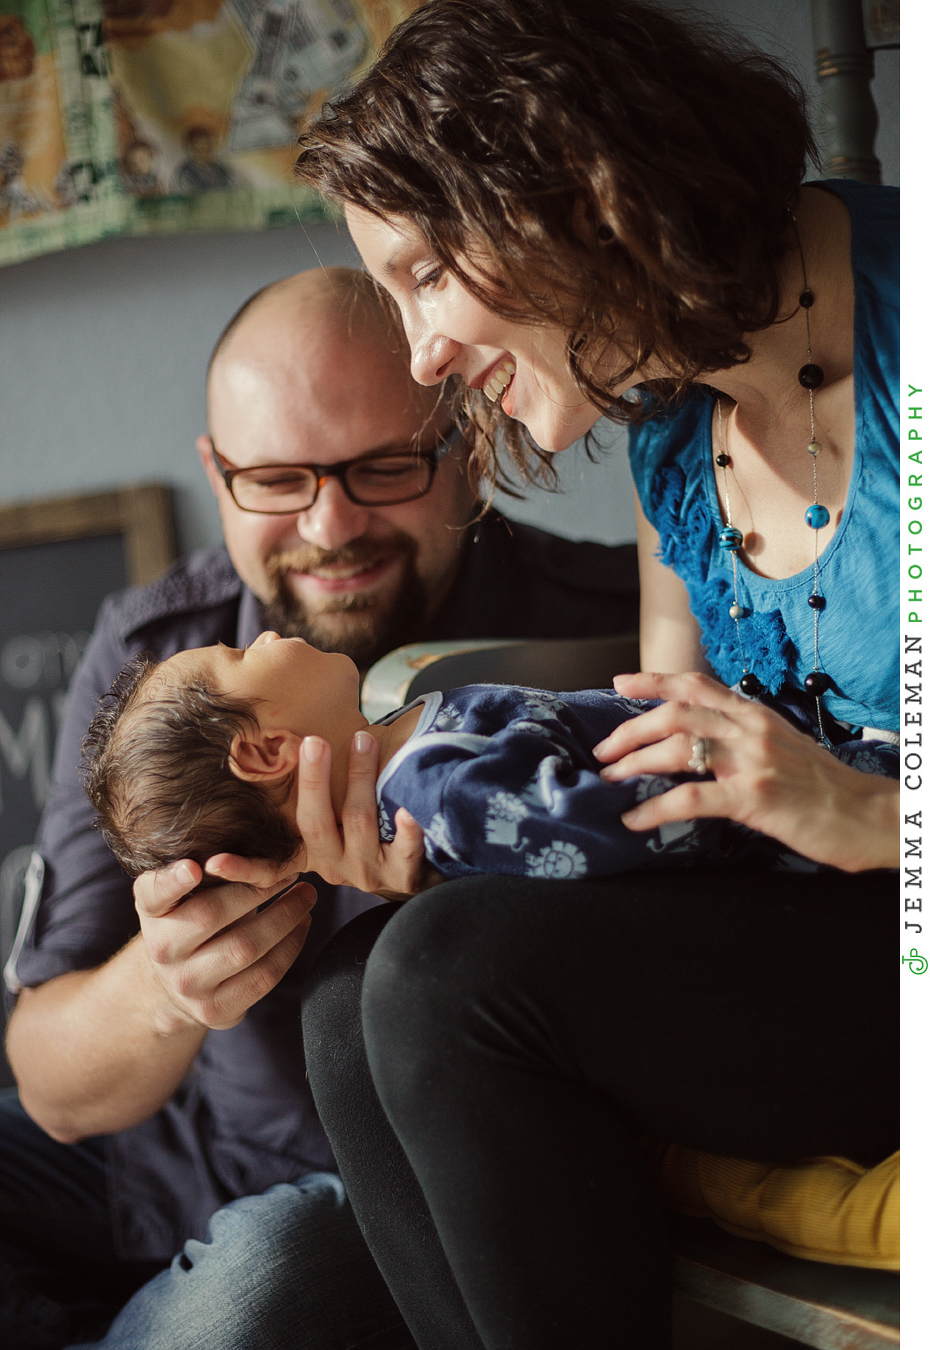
(197, 755)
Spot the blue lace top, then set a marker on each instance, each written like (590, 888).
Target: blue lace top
(672, 466)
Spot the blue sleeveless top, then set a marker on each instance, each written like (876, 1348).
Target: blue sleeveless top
(671, 459)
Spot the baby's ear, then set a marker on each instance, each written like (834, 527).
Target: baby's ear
(264, 756)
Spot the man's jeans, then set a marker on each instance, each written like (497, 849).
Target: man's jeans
(287, 1270)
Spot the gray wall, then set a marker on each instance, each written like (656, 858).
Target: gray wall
(102, 348)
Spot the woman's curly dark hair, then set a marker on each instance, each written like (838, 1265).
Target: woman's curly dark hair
(486, 124)
(156, 768)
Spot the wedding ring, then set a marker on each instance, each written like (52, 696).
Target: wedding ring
(700, 752)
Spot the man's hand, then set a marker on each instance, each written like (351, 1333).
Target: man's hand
(355, 855)
(212, 951)
(100, 1050)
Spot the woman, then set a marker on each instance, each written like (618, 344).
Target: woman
(597, 209)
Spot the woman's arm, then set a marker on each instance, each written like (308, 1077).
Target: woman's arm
(765, 773)
(669, 636)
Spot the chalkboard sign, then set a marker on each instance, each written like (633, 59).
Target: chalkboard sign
(58, 559)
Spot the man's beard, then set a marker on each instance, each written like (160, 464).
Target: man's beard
(363, 626)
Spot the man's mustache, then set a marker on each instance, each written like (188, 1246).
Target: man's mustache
(358, 553)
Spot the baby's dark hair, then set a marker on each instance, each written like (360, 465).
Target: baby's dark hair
(156, 768)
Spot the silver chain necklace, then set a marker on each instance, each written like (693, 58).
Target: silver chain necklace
(730, 539)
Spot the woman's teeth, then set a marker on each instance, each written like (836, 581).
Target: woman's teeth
(499, 380)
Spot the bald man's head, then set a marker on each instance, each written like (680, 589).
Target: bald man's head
(339, 290)
(310, 371)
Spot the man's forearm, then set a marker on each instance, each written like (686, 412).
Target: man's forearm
(96, 1051)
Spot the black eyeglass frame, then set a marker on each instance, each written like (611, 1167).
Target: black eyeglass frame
(432, 459)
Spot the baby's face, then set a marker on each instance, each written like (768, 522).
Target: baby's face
(293, 686)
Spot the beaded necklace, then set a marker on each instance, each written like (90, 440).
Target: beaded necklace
(730, 539)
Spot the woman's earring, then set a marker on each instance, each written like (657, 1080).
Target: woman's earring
(605, 234)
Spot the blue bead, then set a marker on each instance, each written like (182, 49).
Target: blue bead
(729, 538)
(817, 516)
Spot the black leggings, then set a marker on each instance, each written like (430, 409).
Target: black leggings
(485, 1057)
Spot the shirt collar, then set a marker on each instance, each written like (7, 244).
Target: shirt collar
(251, 619)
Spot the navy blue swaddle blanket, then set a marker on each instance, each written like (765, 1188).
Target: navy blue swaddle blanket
(503, 780)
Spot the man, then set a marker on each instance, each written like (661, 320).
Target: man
(159, 1050)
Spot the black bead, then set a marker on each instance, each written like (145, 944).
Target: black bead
(724, 461)
(806, 298)
(811, 376)
(816, 682)
(751, 684)
(816, 602)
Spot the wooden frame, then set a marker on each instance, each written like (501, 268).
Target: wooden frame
(140, 512)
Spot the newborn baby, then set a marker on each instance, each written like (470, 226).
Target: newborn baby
(198, 755)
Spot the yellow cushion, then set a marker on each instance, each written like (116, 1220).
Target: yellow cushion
(823, 1209)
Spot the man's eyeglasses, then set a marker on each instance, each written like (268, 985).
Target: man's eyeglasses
(381, 480)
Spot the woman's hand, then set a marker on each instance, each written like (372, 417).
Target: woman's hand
(765, 773)
(355, 854)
